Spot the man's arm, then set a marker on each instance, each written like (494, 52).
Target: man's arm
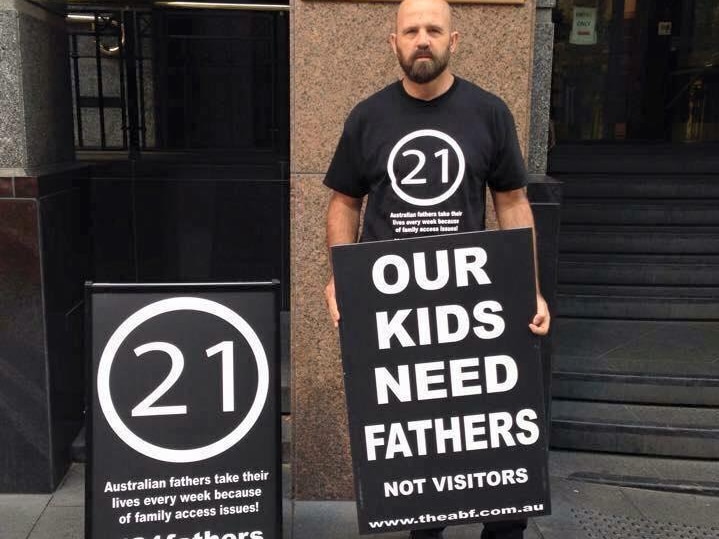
(343, 213)
(513, 211)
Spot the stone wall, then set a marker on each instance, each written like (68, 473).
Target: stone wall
(36, 124)
(43, 252)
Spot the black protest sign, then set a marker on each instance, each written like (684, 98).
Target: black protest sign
(184, 432)
(443, 379)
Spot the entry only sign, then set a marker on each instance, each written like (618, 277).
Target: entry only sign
(443, 379)
(184, 431)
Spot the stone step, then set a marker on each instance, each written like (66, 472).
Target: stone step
(638, 307)
(635, 387)
(685, 476)
(653, 342)
(632, 211)
(635, 429)
(629, 269)
(639, 186)
(633, 159)
(639, 240)
(665, 362)
(668, 292)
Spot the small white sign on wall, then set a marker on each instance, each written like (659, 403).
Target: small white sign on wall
(584, 26)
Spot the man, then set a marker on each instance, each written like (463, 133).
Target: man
(427, 146)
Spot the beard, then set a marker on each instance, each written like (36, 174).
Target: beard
(426, 69)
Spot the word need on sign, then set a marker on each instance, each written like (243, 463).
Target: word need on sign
(439, 364)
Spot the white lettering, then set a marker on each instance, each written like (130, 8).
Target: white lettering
(444, 333)
(424, 380)
(491, 365)
(400, 387)
(495, 321)
(378, 274)
(525, 420)
(420, 271)
(470, 260)
(372, 441)
(386, 329)
(458, 376)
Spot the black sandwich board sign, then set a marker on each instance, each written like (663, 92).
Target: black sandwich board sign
(184, 425)
(443, 379)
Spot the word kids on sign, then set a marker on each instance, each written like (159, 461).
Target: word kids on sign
(443, 379)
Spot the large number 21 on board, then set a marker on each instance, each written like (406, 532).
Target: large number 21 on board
(146, 406)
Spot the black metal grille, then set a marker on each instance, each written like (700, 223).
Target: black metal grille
(109, 52)
(174, 80)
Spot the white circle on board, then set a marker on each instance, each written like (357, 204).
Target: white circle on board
(453, 186)
(148, 312)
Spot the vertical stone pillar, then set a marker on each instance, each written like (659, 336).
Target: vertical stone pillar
(544, 192)
(340, 54)
(541, 88)
(43, 252)
(36, 124)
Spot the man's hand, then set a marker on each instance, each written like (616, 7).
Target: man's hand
(540, 322)
(332, 302)
(514, 211)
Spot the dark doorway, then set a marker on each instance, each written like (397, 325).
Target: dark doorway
(220, 81)
(183, 116)
(637, 70)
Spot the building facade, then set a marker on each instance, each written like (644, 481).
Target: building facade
(157, 143)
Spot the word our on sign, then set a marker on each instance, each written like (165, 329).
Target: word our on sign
(442, 374)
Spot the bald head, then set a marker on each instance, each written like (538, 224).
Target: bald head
(427, 8)
(423, 40)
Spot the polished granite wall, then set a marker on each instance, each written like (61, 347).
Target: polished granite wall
(45, 259)
(340, 54)
(36, 121)
(44, 252)
(541, 88)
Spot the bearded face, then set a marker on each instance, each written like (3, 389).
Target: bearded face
(422, 65)
(424, 39)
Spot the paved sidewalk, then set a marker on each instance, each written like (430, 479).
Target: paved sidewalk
(580, 511)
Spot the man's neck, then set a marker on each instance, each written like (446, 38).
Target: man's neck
(429, 90)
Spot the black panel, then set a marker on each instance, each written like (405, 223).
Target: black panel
(64, 229)
(24, 429)
(165, 222)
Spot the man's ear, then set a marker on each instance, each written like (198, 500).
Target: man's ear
(453, 41)
(393, 42)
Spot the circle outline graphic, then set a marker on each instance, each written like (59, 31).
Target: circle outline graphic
(439, 198)
(143, 315)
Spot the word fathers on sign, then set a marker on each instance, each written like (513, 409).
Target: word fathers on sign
(443, 379)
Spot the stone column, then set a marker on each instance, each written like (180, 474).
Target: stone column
(43, 252)
(544, 192)
(36, 124)
(340, 55)
(541, 87)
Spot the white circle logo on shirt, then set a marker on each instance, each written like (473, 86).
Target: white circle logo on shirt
(449, 151)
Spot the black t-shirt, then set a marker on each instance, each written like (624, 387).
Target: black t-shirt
(424, 164)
